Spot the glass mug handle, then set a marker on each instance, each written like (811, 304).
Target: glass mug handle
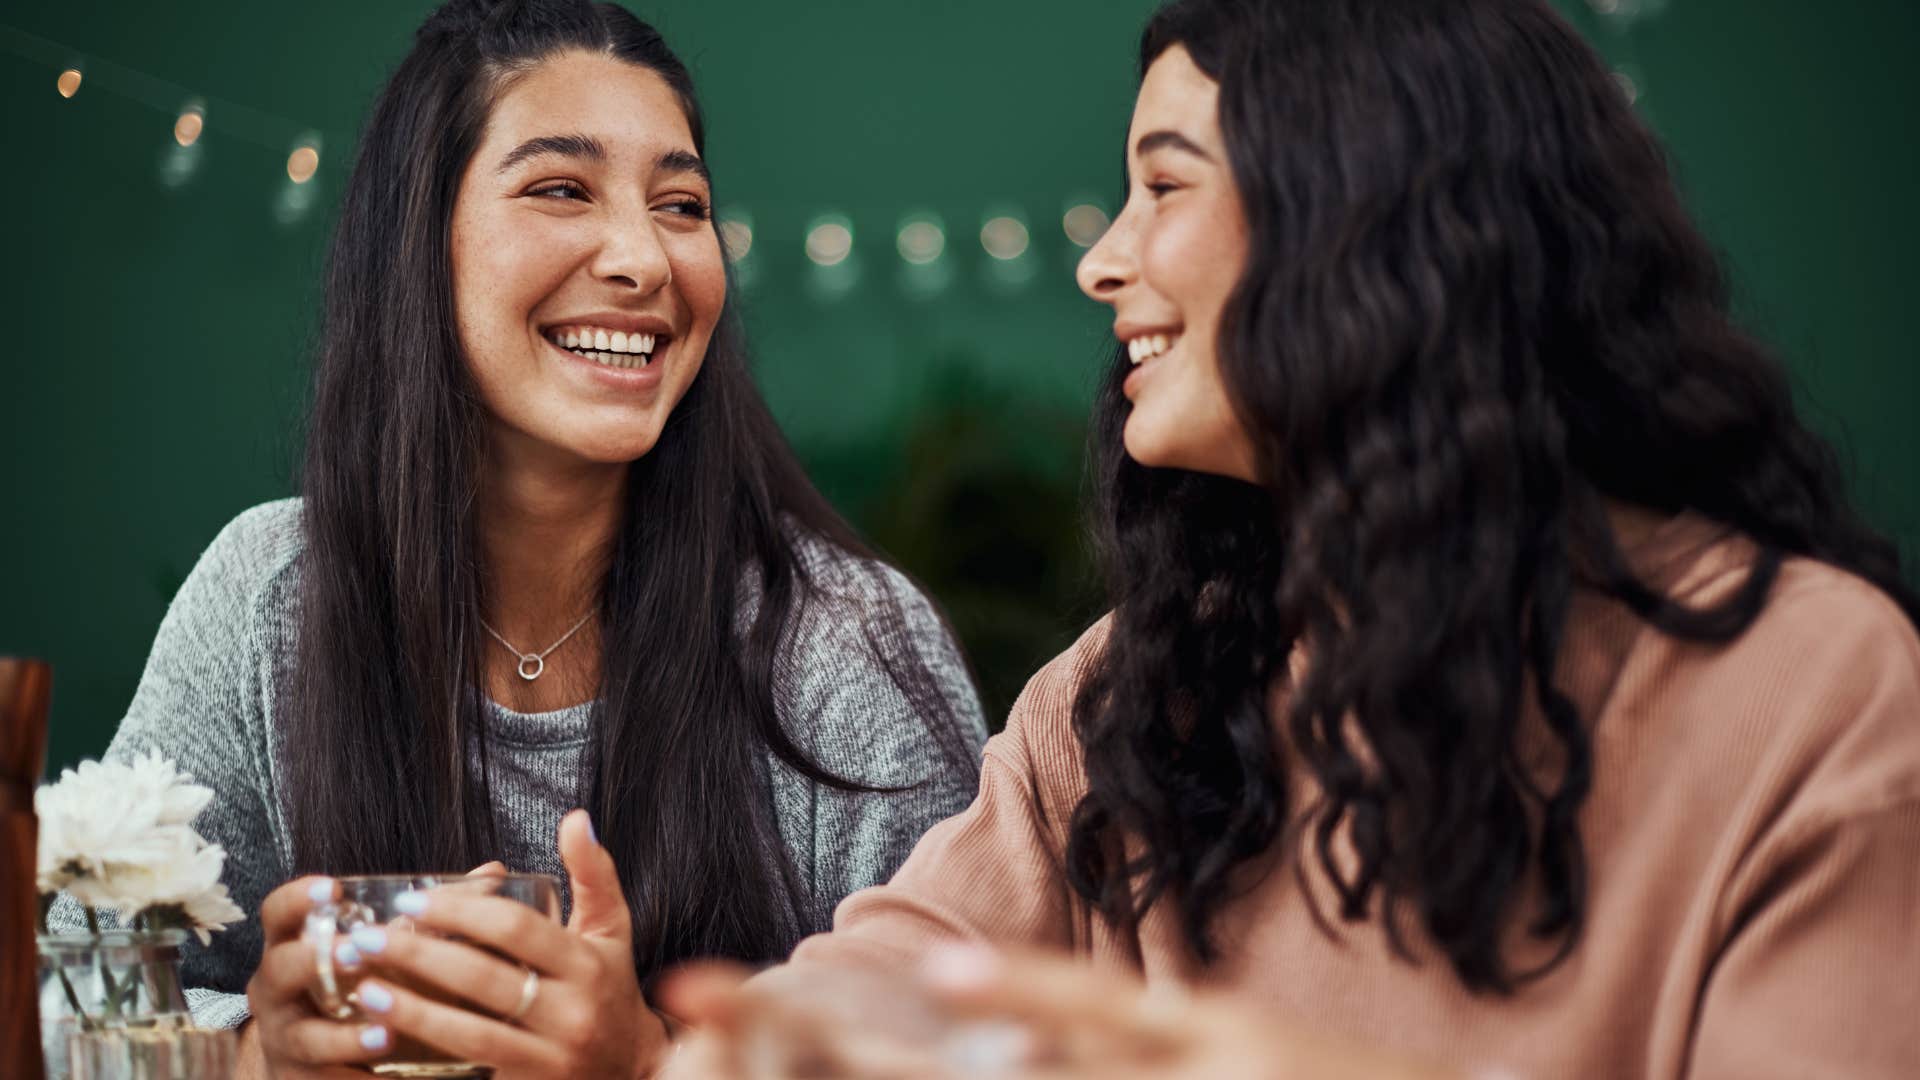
(327, 924)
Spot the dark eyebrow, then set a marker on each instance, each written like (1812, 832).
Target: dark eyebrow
(681, 161)
(1168, 140)
(574, 146)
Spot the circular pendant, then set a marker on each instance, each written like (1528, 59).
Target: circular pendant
(531, 666)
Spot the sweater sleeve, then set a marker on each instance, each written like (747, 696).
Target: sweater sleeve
(1818, 973)
(200, 703)
(993, 873)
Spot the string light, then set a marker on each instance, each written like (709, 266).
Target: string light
(1005, 237)
(189, 124)
(736, 235)
(921, 240)
(302, 164)
(68, 83)
(830, 241)
(1085, 224)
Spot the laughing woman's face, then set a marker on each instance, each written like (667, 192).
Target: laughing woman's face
(1167, 268)
(587, 275)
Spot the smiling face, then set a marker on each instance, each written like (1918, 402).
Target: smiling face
(587, 277)
(1167, 267)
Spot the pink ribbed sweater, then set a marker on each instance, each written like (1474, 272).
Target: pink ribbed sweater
(1753, 842)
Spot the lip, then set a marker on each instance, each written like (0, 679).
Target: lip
(1126, 331)
(626, 322)
(1130, 386)
(626, 380)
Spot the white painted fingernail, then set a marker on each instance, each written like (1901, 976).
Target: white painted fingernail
(411, 902)
(375, 998)
(373, 1037)
(369, 939)
(346, 955)
(321, 891)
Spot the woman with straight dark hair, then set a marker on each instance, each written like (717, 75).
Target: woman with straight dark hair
(552, 552)
(1497, 677)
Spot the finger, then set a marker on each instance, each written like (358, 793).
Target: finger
(1052, 992)
(475, 976)
(316, 1042)
(285, 973)
(599, 904)
(492, 866)
(508, 927)
(455, 1031)
(284, 912)
(703, 993)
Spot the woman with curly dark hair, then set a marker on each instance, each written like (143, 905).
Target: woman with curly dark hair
(1497, 675)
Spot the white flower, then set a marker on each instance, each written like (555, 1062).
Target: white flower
(182, 891)
(118, 836)
(103, 814)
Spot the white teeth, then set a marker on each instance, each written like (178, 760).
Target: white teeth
(611, 347)
(1146, 347)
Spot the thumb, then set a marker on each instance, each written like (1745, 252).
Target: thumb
(599, 907)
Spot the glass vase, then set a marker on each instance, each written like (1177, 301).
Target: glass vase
(119, 989)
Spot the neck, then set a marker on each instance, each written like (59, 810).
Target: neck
(546, 528)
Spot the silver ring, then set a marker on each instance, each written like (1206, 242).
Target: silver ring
(529, 989)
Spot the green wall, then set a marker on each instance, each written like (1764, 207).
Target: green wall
(154, 372)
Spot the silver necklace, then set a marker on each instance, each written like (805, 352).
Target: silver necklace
(537, 660)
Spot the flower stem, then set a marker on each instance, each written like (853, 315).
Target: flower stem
(100, 962)
(60, 971)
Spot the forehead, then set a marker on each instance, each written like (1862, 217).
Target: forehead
(1177, 96)
(624, 105)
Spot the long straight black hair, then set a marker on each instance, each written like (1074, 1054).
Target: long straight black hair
(1474, 312)
(386, 748)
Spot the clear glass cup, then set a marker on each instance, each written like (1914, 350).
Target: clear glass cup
(369, 901)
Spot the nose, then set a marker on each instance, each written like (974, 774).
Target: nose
(1109, 266)
(631, 255)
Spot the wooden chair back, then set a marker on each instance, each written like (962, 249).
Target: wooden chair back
(26, 687)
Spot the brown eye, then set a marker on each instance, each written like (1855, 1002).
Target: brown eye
(692, 208)
(565, 189)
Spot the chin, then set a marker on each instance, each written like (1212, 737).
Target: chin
(1144, 446)
(618, 451)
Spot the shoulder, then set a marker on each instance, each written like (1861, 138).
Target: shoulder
(250, 562)
(259, 544)
(842, 577)
(870, 677)
(1817, 701)
(1039, 739)
(863, 605)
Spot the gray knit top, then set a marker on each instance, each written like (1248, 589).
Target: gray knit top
(227, 645)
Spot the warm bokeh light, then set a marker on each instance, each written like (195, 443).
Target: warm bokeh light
(302, 164)
(829, 242)
(1004, 238)
(186, 129)
(736, 237)
(68, 83)
(1085, 224)
(921, 241)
